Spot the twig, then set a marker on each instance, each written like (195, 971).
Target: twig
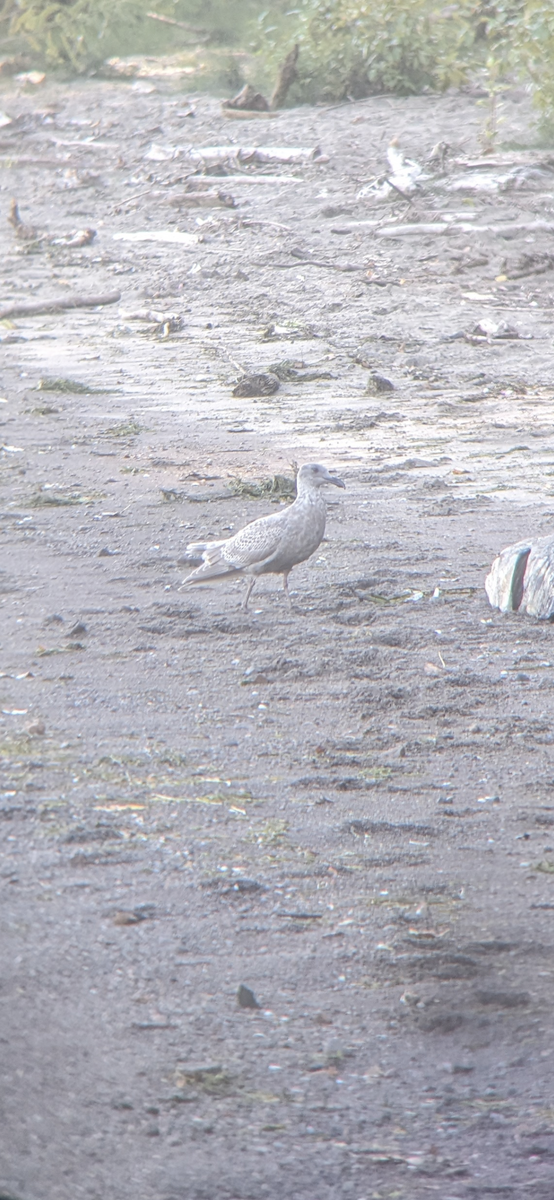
(140, 195)
(27, 160)
(245, 177)
(250, 223)
(395, 188)
(48, 306)
(246, 114)
(313, 262)
(201, 33)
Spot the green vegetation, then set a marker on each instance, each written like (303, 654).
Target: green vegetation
(279, 486)
(80, 35)
(533, 52)
(348, 48)
(357, 47)
(71, 386)
(354, 48)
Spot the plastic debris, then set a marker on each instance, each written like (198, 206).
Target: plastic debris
(488, 330)
(158, 235)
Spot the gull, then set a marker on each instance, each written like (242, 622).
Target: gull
(405, 176)
(271, 545)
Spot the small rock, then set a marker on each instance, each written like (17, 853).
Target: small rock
(246, 998)
(37, 729)
(253, 677)
(335, 1052)
(121, 1102)
(77, 630)
(499, 998)
(124, 917)
(378, 384)
(264, 384)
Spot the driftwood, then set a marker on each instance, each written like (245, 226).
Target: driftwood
(286, 77)
(37, 307)
(248, 99)
(314, 262)
(247, 114)
(206, 199)
(505, 230)
(29, 233)
(26, 233)
(29, 160)
(215, 155)
(256, 179)
(250, 223)
(302, 258)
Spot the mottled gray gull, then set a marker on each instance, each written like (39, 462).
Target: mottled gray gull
(521, 579)
(271, 545)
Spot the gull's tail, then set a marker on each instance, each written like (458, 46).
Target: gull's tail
(213, 565)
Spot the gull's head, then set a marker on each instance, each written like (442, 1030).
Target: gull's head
(313, 475)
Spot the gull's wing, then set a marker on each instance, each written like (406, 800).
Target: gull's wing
(253, 545)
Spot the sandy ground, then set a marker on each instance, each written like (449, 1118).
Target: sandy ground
(348, 809)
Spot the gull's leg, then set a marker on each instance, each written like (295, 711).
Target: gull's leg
(286, 588)
(250, 589)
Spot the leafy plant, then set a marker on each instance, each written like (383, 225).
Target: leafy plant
(358, 47)
(81, 34)
(519, 37)
(347, 47)
(72, 33)
(534, 55)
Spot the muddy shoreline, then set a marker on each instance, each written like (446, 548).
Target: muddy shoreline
(348, 809)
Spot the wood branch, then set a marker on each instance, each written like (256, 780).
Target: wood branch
(247, 100)
(241, 114)
(28, 160)
(250, 223)
(199, 33)
(300, 263)
(285, 78)
(396, 188)
(505, 230)
(51, 306)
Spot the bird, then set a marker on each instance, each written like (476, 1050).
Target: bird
(405, 172)
(271, 545)
(521, 578)
(404, 176)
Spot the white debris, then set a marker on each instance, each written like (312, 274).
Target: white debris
(158, 235)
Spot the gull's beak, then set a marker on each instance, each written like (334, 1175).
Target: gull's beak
(335, 479)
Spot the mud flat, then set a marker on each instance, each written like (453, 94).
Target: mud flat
(348, 810)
